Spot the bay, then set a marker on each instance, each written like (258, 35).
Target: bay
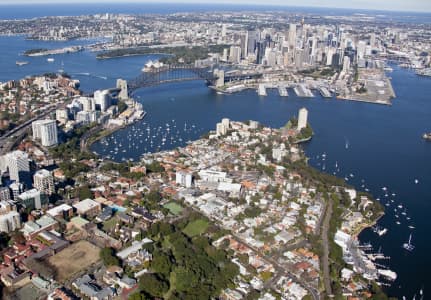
(385, 147)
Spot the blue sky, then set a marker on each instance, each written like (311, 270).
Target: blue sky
(399, 5)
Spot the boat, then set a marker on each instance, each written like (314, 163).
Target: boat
(427, 136)
(50, 59)
(388, 274)
(21, 63)
(408, 246)
(382, 231)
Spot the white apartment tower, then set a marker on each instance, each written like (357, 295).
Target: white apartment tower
(46, 132)
(18, 165)
(302, 118)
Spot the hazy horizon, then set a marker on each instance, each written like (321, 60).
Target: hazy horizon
(423, 6)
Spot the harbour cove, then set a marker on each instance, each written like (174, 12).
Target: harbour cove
(372, 146)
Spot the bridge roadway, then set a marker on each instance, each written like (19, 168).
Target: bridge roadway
(179, 73)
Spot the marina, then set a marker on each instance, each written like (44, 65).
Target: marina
(379, 168)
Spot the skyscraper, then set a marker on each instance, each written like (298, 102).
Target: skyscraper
(302, 118)
(260, 46)
(292, 36)
(235, 54)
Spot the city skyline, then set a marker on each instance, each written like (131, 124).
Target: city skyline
(385, 5)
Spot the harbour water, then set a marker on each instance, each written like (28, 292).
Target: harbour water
(381, 146)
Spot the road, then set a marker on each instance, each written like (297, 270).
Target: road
(280, 269)
(8, 139)
(325, 258)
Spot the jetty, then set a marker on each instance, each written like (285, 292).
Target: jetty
(302, 91)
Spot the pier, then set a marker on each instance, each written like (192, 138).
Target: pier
(324, 92)
(262, 90)
(302, 91)
(283, 91)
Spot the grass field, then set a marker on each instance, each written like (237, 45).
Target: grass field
(76, 257)
(196, 227)
(174, 208)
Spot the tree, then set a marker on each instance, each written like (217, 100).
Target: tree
(108, 257)
(161, 263)
(185, 279)
(85, 192)
(153, 285)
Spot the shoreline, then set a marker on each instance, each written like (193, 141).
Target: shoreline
(365, 226)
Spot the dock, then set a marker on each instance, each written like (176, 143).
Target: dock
(302, 91)
(262, 90)
(325, 93)
(283, 91)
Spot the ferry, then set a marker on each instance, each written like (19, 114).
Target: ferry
(21, 63)
(427, 136)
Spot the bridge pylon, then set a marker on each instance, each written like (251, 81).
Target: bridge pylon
(122, 85)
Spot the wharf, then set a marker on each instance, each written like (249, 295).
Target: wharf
(302, 91)
(262, 90)
(283, 91)
(325, 93)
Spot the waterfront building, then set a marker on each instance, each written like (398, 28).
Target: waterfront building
(44, 181)
(226, 122)
(17, 163)
(221, 129)
(302, 118)
(254, 124)
(46, 132)
(102, 100)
